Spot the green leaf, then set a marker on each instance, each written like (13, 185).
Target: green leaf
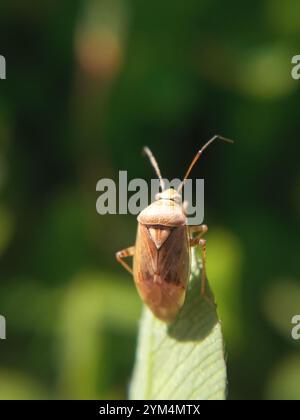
(183, 360)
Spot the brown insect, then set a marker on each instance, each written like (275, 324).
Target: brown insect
(161, 255)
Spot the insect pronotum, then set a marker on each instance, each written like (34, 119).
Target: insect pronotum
(161, 255)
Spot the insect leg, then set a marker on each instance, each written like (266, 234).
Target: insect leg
(199, 231)
(197, 240)
(202, 243)
(127, 252)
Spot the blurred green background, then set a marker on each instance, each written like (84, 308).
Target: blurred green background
(88, 84)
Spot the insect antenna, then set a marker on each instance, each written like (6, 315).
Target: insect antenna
(153, 162)
(198, 154)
